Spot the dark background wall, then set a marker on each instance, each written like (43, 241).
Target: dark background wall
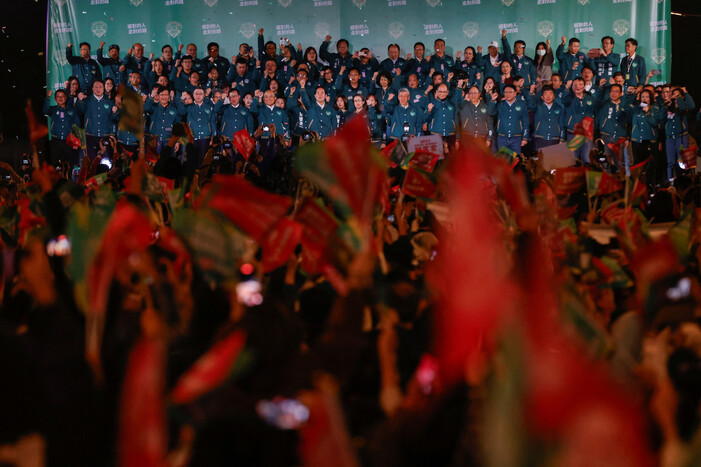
(23, 69)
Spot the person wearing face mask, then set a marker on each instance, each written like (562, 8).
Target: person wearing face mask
(543, 62)
(83, 67)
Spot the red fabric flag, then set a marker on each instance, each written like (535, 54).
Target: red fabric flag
(210, 370)
(570, 399)
(616, 147)
(73, 141)
(609, 184)
(27, 219)
(471, 285)
(36, 130)
(613, 213)
(280, 243)
(585, 128)
(359, 174)
(143, 438)
(569, 180)
(167, 184)
(244, 143)
(253, 210)
(688, 157)
(419, 184)
(637, 169)
(653, 261)
(639, 192)
(128, 230)
(319, 224)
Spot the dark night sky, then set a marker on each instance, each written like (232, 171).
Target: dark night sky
(23, 69)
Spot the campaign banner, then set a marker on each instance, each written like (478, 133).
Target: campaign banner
(364, 23)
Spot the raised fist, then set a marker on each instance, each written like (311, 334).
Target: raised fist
(260, 32)
(503, 33)
(328, 38)
(102, 44)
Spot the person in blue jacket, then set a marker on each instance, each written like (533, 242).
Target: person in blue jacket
(417, 93)
(266, 50)
(633, 66)
(572, 62)
(523, 65)
(125, 139)
(385, 92)
(548, 119)
(376, 120)
(406, 120)
(180, 74)
(272, 120)
(472, 65)
(234, 115)
(367, 65)
(112, 65)
(241, 78)
(611, 121)
(394, 64)
(163, 113)
(675, 126)
(215, 60)
(98, 114)
(441, 114)
(440, 61)
(476, 116)
(83, 67)
(418, 65)
(578, 105)
(320, 116)
(607, 63)
(512, 121)
(342, 57)
(644, 120)
(200, 116)
(328, 82)
(63, 118)
(352, 86)
(491, 63)
(135, 60)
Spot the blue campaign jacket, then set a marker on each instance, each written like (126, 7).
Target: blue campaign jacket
(567, 61)
(110, 68)
(612, 119)
(335, 60)
(412, 116)
(441, 118)
(234, 119)
(606, 66)
(634, 71)
(513, 120)
(201, 118)
(644, 126)
(276, 116)
(62, 119)
(162, 119)
(87, 71)
(548, 123)
(97, 115)
(523, 66)
(576, 109)
(321, 120)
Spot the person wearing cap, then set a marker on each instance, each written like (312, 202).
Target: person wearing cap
(492, 61)
(83, 67)
(214, 59)
(512, 121)
(572, 62)
(440, 61)
(607, 62)
(341, 59)
(548, 118)
(241, 78)
(112, 65)
(367, 65)
(418, 65)
(135, 60)
(234, 115)
(633, 66)
(406, 119)
(63, 118)
(523, 65)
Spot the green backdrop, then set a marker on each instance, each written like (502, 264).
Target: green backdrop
(371, 23)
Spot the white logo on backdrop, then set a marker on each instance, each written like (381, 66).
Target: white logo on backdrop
(174, 29)
(99, 28)
(470, 29)
(395, 29)
(545, 28)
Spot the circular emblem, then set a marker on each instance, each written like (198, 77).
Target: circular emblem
(207, 111)
(470, 29)
(243, 112)
(328, 112)
(557, 111)
(635, 64)
(450, 107)
(106, 106)
(172, 112)
(412, 113)
(518, 108)
(247, 30)
(483, 110)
